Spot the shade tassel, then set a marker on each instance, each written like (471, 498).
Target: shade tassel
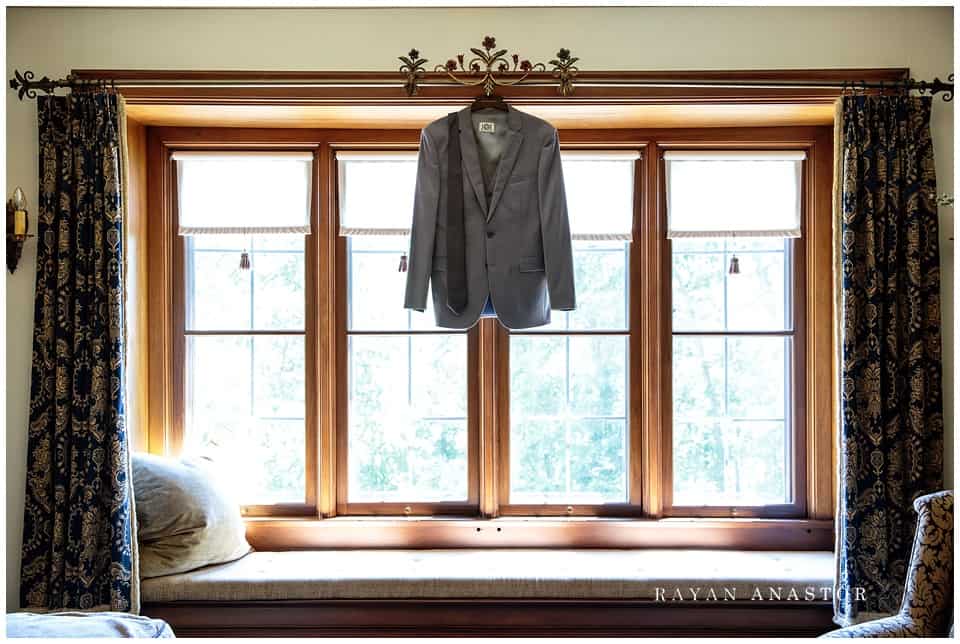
(734, 265)
(244, 261)
(403, 264)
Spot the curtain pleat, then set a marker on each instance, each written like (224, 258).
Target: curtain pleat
(78, 533)
(891, 408)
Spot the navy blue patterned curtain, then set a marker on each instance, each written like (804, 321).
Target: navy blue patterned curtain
(891, 409)
(78, 532)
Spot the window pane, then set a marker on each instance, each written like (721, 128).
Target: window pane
(407, 418)
(698, 277)
(706, 297)
(730, 419)
(245, 409)
(376, 289)
(757, 296)
(729, 463)
(218, 292)
(601, 270)
(568, 427)
(267, 297)
(278, 293)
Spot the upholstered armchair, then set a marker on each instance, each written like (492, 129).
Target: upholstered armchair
(927, 607)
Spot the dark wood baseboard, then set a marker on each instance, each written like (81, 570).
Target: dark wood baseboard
(493, 617)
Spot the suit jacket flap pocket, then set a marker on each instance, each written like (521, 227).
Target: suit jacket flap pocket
(531, 265)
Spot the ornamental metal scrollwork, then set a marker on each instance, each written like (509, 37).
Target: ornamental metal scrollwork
(26, 86)
(565, 70)
(489, 68)
(413, 67)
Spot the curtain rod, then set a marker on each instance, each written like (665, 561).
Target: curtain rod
(27, 86)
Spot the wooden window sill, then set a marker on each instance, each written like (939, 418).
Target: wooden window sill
(275, 533)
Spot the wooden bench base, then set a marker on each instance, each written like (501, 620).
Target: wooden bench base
(487, 617)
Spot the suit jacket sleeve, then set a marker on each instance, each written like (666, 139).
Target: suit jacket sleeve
(555, 228)
(426, 202)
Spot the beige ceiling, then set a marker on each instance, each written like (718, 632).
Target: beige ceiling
(416, 116)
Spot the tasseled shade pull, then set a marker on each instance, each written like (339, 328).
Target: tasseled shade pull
(244, 260)
(734, 265)
(403, 264)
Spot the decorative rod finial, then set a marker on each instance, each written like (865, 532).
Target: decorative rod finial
(23, 84)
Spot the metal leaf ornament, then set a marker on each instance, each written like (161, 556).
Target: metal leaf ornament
(492, 65)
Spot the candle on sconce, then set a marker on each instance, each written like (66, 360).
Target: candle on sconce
(18, 228)
(20, 223)
(19, 213)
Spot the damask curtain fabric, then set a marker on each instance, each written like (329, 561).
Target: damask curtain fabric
(891, 412)
(79, 544)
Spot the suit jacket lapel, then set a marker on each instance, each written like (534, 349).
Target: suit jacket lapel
(504, 168)
(471, 157)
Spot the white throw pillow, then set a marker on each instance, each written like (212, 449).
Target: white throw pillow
(186, 518)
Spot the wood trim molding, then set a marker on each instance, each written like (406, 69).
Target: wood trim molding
(491, 617)
(159, 296)
(820, 374)
(137, 293)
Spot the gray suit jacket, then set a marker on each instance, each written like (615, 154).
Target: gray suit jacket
(518, 248)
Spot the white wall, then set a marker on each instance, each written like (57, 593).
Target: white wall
(52, 41)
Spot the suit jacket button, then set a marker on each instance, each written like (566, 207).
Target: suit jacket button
(490, 234)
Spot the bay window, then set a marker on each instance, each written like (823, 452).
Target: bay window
(679, 387)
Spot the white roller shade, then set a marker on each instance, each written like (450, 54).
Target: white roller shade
(376, 192)
(244, 193)
(733, 194)
(600, 188)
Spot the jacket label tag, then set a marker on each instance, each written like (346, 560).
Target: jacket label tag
(488, 127)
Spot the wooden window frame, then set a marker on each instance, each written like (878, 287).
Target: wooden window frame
(179, 334)
(633, 505)
(327, 523)
(469, 507)
(798, 281)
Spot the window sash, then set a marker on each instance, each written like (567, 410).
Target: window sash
(257, 416)
(793, 420)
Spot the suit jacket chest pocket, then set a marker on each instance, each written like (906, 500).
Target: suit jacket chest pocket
(520, 194)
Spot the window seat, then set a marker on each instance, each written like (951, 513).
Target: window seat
(501, 574)
(561, 592)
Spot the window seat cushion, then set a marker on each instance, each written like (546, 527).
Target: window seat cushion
(505, 574)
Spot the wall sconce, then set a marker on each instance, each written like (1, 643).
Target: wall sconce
(18, 228)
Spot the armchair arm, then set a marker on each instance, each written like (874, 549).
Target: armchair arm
(893, 626)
